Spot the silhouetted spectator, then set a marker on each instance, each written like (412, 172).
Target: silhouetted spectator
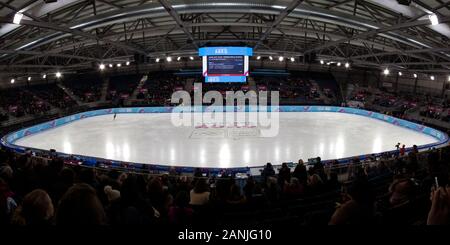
(200, 194)
(301, 173)
(440, 205)
(315, 185)
(249, 187)
(267, 172)
(36, 209)
(180, 213)
(319, 169)
(7, 203)
(80, 206)
(359, 206)
(294, 189)
(284, 174)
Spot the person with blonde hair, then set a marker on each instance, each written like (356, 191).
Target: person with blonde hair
(36, 209)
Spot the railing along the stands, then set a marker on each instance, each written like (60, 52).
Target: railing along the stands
(345, 172)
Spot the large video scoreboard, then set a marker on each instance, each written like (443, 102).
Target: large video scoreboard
(225, 64)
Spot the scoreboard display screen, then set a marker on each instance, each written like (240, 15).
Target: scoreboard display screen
(225, 65)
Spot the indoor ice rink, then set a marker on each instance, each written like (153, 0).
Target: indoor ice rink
(153, 139)
(89, 90)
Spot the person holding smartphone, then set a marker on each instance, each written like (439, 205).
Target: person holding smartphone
(440, 206)
(357, 205)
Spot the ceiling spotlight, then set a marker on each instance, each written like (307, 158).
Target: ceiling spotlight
(347, 65)
(179, 58)
(169, 59)
(400, 73)
(270, 58)
(191, 58)
(119, 65)
(128, 63)
(432, 78)
(101, 67)
(44, 76)
(292, 59)
(258, 58)
(433, 19)
(281, 58)
(328, 63)
(29, 78)
(415, 75)
(339, 64)
(13, 81)
(322, 62)
(449, 78)
(157, 60)
(58, 74)
(17, 18)
(110, 65)
(386, 71)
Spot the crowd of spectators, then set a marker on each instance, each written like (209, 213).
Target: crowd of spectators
(19, 102)
(293, 89)
(48, 190)
(158, 89)
(300, 89)
(439, 110)
(122, 87)
(403, 105)
(86, 87)
(390, 190)
(52, 94)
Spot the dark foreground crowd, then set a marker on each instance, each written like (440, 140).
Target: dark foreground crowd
(408, 189)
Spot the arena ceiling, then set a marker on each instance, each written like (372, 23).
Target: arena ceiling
(75, 34)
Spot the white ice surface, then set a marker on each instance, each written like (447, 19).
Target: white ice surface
(152, 138)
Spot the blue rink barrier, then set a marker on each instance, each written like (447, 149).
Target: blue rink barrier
(9, 140)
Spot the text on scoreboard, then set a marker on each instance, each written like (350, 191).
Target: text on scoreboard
(225, 64)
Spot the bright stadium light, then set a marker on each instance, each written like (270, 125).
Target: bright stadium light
(449, 78)
(169, 59)
(328, 63)
(101, 67)
(111, 65)
(17, 18)
(433, 19)
(432, 78)
(415, 75)
(157, 60)
(292, 59)
(128, 63)
(13, 80)
(347, 65)
(322, 62)
(258, 58)
(281, 58)
(400, 73)
(270, 58)
(386, 71)
(44, 76)
(29, 78)
(191, 58)
(339, 64)
(179, 58)
(119, 65)
(58, 74)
